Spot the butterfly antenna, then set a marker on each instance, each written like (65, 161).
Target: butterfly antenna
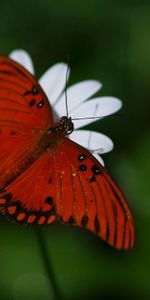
(89, 140)
(66, 99)
(98, 118)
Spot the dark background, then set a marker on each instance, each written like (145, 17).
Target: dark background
(108, 41)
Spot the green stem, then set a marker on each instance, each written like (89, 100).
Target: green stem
(47, 263)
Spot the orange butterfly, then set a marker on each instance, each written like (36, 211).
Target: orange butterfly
(44, 176)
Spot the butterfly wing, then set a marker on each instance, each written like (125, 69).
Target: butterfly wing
(21, 97)
(70, 185)
(96, 202)
(24, 114)
(31, 197)
(104, 210)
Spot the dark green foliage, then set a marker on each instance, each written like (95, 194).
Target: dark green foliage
(109, 41)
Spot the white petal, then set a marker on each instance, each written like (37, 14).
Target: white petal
(98, 107)
(92, 140)
(23, 58)
(53, 81)
(76, 94)
(98, 157)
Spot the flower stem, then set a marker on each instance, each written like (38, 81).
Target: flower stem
(48, 265)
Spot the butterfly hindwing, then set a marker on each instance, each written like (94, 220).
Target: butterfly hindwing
(30, 198)
(95, 201)
(70, 185)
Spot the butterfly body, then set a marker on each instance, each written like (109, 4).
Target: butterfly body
(44, 176)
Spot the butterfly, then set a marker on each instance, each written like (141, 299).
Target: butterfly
(44, 176)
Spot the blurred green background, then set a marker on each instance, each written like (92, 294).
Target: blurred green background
(107, 40)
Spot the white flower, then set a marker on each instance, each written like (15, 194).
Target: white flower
(79, 100)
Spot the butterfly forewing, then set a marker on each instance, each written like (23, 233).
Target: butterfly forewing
(25, 114)
(21, 97)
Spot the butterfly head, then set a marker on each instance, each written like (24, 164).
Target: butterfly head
(64, 126)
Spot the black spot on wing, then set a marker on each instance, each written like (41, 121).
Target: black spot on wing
(115, 220)
(40, 104)
(81, 157)
(72, 220)
(34, 91)
(92, 179)
(7, 197)
(12, 133)
(32, 102)
(2, 190)
(96, 170)
(96, 224)
(83, 168)
(84, 220)
(14, 211)
(49, 200)
(118, 199)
